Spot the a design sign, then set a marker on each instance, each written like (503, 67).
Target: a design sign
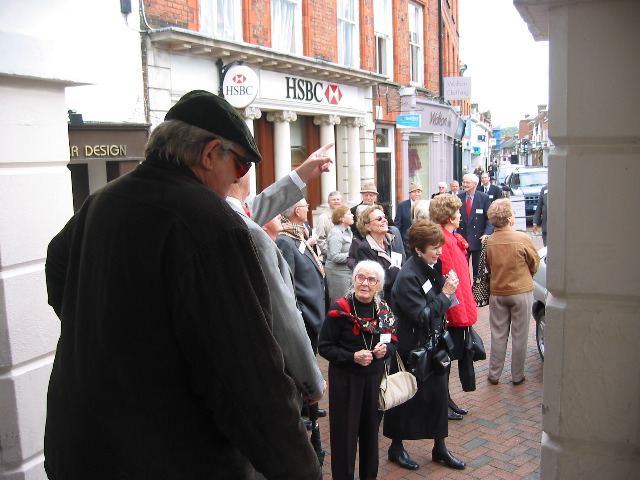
(240, 86)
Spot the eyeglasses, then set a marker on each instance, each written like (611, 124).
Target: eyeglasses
(378, 219)
(242, 164)
(360, 278)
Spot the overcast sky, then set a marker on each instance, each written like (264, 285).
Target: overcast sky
(509, 70)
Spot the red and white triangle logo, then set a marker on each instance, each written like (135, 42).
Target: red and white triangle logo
(333, 94)
(239, 78)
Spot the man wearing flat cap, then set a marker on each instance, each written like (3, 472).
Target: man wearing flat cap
(403, 215)
(166, 366)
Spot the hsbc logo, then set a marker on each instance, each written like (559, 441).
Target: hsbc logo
(333, 94)
(240, 86)
(239, 78)
(308, 91)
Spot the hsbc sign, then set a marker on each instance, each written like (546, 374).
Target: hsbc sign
(309, 91)
(240, 86)
(311, 95)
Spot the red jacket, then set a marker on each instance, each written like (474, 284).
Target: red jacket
(453, 258)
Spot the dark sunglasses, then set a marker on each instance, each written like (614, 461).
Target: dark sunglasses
(242, 164)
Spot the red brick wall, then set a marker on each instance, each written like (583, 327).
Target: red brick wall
(172, 13)
(367, 36)
(257, 22)
(320, 29)
(401, 52)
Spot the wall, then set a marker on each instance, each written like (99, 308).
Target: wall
(49, 48)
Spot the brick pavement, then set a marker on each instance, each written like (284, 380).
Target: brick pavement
(498, 439)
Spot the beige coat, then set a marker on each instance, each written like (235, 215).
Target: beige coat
(512, 260)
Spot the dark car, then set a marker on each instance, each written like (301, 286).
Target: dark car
(539, 299)
(527, 181)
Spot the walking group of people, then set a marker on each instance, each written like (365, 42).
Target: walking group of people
(190, 323)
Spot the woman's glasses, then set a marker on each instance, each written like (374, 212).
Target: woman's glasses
(242, 164)
(360, 278)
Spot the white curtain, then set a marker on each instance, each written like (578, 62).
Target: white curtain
(283, 25)
(217, 18)
(346, 32)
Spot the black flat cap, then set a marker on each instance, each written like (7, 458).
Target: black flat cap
(214, 114)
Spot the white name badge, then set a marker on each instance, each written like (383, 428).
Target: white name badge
(396, 259)
(479, 211)
(302, 247)
(426, 286)
(490, 196)
(385, 338)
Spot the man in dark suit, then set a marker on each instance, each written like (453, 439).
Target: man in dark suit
(540, 217)
(403, 218)
(474, 223)
(489, 188)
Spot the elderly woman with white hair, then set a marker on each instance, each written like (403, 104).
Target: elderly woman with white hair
(442, 189)
(356, 337)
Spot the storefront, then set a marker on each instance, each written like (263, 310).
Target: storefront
(101, 152)
(300, 104)
(428, 145)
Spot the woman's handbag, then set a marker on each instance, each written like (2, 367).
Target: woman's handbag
(481, 283)
(397, 388)
(473, 343)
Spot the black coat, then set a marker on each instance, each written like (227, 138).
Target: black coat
(166, 367)
(425, 415)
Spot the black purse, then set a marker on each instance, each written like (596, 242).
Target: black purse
(473, 343)
(430, 356)
(481, 284)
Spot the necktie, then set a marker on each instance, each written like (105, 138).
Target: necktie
(486, 189)
(468, 206)
(246, 210)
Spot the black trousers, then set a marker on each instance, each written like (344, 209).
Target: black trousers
(475, 261)
(354, 418)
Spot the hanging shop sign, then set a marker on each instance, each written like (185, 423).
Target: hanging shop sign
(457, 88)
(240, 86)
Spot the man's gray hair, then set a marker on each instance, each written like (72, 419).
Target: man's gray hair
(471, 177)
(289, 211)
(178, 142)
(334, 194)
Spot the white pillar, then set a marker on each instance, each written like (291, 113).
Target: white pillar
(328, 180)
(591, 425)
(353, 157)
(250, 114)
(282, 140)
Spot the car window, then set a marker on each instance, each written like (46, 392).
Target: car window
(533, 179)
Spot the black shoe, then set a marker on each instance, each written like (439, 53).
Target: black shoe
(455, 416)
(459, 411)
(448, 459)
(322, 413)
(520, 382)
(404, 460)
(307, 423)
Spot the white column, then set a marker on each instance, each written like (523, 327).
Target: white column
(353, 157)
(328, 180)
(591, 425)
(250, 114)
(282, 140)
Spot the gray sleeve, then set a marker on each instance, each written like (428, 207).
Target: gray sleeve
(275, 199)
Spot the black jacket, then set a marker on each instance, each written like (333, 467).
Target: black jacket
(166, 367)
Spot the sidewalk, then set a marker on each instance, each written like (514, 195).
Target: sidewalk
(499, 438)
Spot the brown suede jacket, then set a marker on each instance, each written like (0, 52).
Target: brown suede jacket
(512, 260)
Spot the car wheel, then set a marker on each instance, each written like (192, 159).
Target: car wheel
(540, 324)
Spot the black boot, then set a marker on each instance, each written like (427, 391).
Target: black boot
(399, 455)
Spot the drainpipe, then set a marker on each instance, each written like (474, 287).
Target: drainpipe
(440, 42)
